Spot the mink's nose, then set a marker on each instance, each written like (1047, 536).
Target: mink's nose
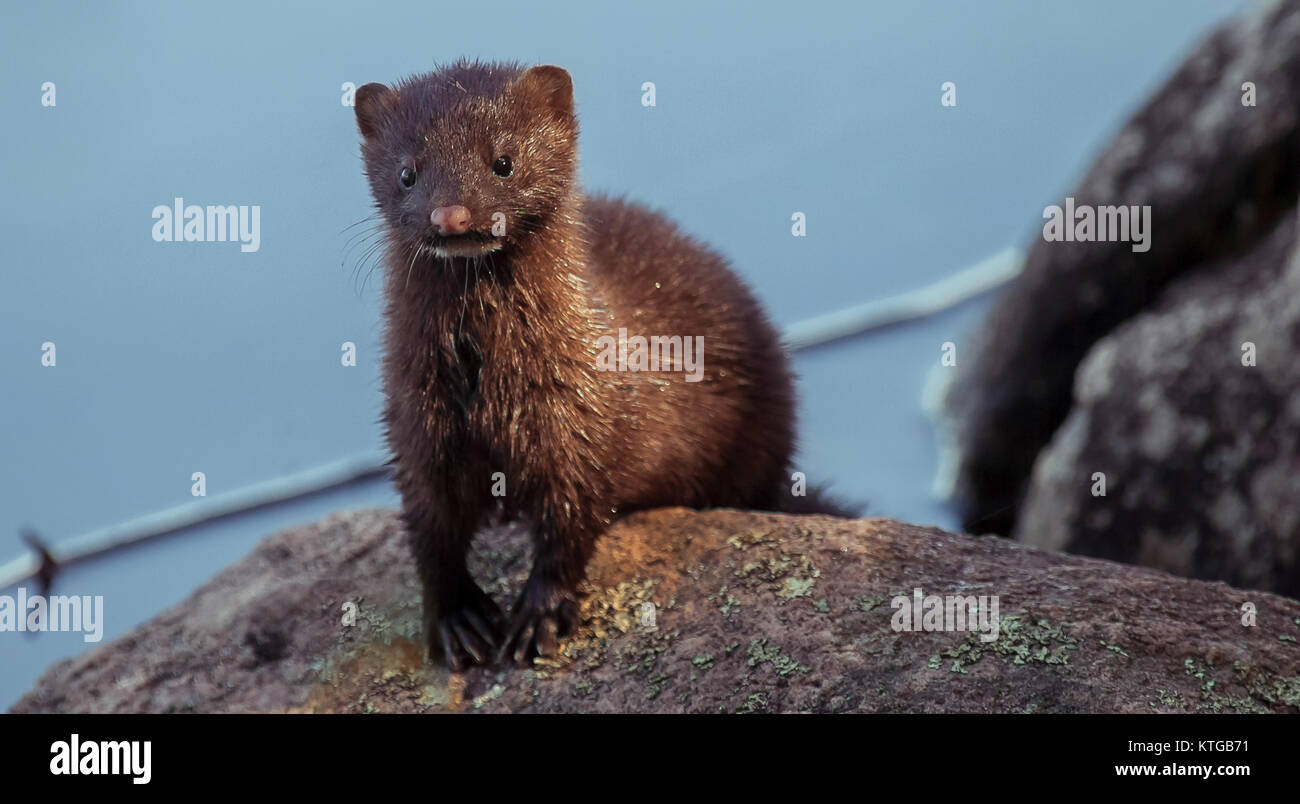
(450, 220)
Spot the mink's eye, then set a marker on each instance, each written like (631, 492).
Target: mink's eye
(407, 177)
(503, 167)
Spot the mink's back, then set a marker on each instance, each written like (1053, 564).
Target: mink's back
(725, 441)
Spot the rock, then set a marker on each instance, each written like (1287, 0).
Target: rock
(1218, 177)
(752, 613)
(1200, 453)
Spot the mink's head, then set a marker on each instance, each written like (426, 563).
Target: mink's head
(470, 158)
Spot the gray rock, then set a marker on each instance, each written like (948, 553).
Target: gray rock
(1218, 176)
(1200, 453)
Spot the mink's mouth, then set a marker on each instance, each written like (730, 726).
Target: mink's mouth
(469, 244)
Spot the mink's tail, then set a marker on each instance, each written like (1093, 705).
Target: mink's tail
(816, 500)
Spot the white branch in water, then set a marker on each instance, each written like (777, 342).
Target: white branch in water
(929, 300)
(962, 286)
(316, 480)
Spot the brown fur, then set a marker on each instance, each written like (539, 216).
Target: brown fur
(490, 363)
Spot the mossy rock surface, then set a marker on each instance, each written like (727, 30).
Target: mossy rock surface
(751, 613)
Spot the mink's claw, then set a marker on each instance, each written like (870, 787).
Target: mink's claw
(540, 619)
(470, 634)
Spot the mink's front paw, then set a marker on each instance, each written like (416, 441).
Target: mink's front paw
(468, 633)
(544, 614)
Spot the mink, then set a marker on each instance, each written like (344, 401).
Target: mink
(503, 280)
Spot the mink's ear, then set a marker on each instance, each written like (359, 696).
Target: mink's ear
(373, 103)
(550, 87)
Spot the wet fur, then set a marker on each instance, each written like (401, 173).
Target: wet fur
(490, 361)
